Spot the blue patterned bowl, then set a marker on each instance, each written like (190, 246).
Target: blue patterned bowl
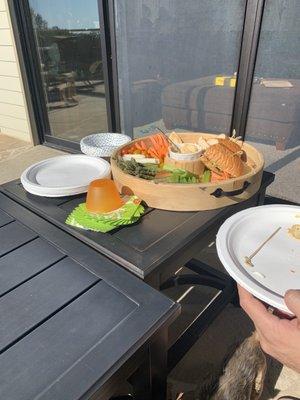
(103, 144)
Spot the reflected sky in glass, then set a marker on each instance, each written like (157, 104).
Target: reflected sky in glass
(68, 14)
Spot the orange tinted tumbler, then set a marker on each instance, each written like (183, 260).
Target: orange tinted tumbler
(103, 196)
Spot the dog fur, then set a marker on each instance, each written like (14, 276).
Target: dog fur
(243, 375)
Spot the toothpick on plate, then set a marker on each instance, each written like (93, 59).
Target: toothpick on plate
(248, 260)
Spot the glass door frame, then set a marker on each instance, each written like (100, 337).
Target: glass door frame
(28, 56)
(248, 53)
(32, 78)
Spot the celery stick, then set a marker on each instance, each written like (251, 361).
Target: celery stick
(206, 176)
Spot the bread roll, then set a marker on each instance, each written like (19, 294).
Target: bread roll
(230, 145)
(218, 158)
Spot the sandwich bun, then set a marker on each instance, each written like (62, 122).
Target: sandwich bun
(230, 145)
(219, 158)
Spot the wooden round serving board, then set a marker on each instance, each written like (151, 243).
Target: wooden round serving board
(198, 196)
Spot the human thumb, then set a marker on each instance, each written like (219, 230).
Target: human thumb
(292, 300)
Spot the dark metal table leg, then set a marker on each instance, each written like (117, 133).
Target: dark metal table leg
(141, 381)
(159, 367)
(149, 382)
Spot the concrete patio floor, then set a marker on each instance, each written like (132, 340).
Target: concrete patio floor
(73, 123)
(195, 369)
(16, 155)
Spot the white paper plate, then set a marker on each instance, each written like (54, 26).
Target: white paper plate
(276, 266)
(64, 175)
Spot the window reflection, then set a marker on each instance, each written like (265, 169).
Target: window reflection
(71, 66)
(177, 63)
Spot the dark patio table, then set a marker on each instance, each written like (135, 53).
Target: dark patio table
(155, 247)
(73, 324)
(160, 241)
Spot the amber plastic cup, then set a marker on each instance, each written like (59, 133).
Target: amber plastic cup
(103, 196)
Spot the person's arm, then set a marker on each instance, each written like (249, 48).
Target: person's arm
(280, 338)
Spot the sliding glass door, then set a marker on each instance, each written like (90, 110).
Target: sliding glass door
(273, 123)
(178, 63)
(70, 57)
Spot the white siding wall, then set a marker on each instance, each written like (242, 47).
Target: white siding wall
(14, 119)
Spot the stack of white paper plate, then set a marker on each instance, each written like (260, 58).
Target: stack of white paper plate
(64, 175)
(276, 266)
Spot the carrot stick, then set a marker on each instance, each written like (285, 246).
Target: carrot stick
(153, 141)
(143, 144)
(166, 144)
(138, 146)
(153, 152)
(161, 141)
(159, 147)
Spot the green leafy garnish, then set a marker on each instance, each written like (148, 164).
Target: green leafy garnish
(178, 175)
(128, 214)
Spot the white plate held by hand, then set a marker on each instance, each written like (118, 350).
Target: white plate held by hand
(64, 175)
(276, 267)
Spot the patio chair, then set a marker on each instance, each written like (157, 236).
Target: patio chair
(63, 84)
(59, 80)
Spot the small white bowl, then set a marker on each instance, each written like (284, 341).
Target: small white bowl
(186, 156)
(103, 144)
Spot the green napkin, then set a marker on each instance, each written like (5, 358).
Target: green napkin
(129, 213)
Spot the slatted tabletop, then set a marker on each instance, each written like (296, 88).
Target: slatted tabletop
(143, 247)
(69, 317)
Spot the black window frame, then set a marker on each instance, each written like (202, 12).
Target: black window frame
(28, 58)
(248, 53)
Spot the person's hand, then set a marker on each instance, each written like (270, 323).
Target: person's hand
(280, 338)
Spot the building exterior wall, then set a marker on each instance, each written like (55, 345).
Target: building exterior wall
(14, 119)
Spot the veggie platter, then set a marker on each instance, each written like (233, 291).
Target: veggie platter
(209, 171)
